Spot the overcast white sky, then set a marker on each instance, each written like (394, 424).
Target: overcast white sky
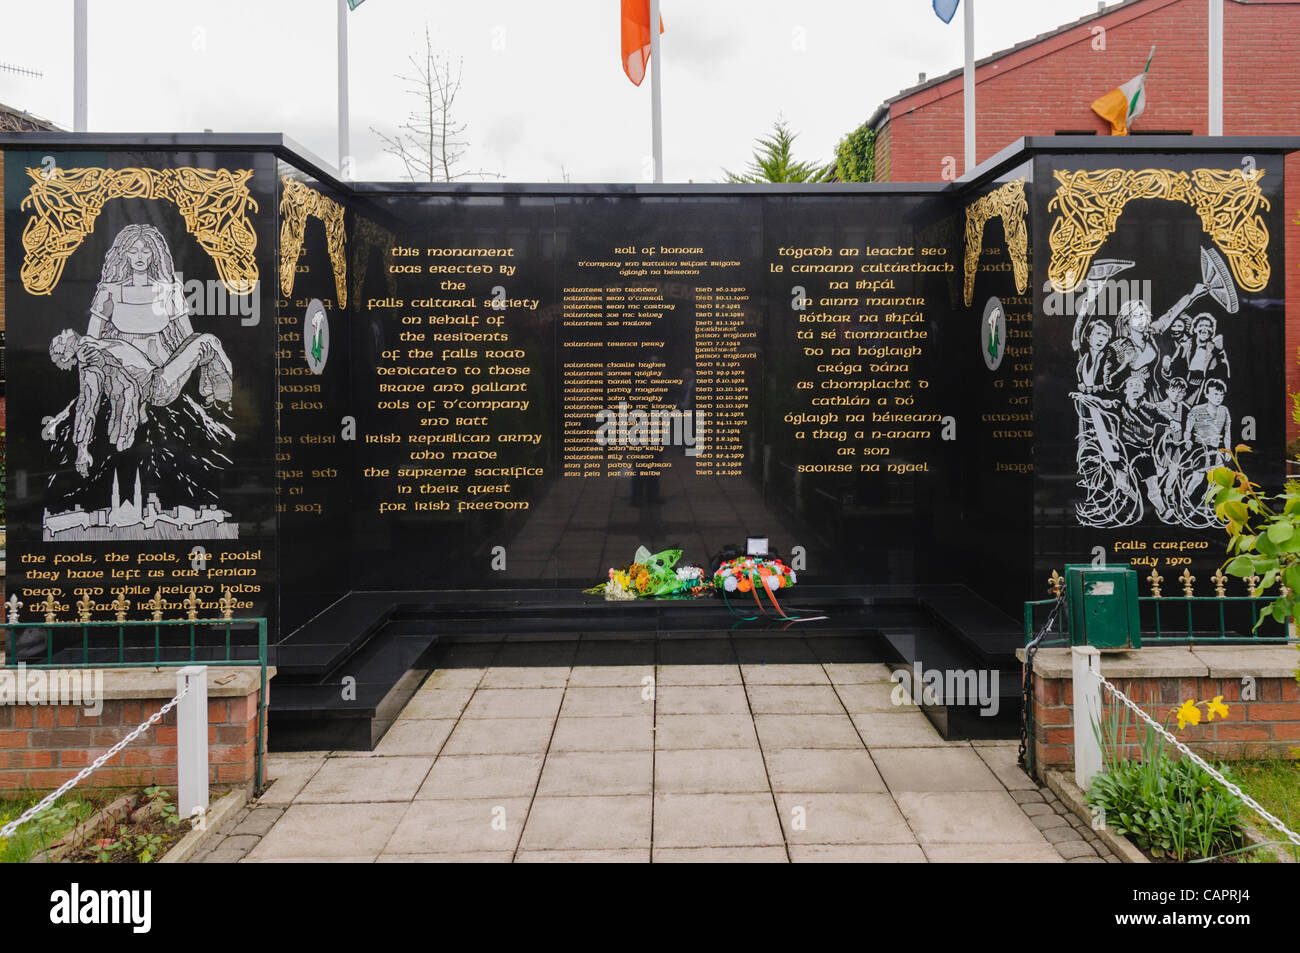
(544, 93)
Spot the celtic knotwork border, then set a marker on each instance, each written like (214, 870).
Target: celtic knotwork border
(298, 201)
(215, 204)
(1007, 202)
(1227, 201)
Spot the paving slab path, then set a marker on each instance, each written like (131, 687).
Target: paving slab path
(741, 749)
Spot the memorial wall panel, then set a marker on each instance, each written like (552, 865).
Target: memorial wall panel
(141, 401)
(1159, 342)
(315, 454)
(994, 307)
(674, 371)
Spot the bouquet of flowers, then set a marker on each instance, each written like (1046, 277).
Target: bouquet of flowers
(754, 575)
(750, 573)
(653, 574)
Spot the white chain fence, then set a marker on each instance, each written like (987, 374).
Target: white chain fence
(9, 829)
(1250, 802)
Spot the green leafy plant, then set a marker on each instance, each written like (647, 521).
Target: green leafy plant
(42, 831)
(855, 156)
(159, 800)
(774, 161)
(1263, 534)
(1170, 808)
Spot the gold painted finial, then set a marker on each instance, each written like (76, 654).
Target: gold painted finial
(1155, 579)
(120, 606)
(1220, 582)
(1252, 584)
(155, 605)
(1187, 579)
(84, 607)
(191, 605)
(227, 605)
(1055, 582)
(51, 607)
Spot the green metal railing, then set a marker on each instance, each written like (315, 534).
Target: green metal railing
(150, 649)
(1178, 620)
(1163, 620)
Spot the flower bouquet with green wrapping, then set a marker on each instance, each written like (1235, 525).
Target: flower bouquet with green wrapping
(652, 575)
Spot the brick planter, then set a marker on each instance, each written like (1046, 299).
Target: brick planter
(41, 746)
(1258, 683)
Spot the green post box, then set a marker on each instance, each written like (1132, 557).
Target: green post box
(1102, 607)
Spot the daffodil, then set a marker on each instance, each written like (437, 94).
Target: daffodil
(1188, 714)
(1216, 706)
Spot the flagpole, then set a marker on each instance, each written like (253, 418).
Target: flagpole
(79, 66)
(969, 82)
(345, 148)
(1216, 68)
(656, 118)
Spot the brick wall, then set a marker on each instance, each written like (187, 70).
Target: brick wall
(1052, 84)
(41, 746)
(1266, 725)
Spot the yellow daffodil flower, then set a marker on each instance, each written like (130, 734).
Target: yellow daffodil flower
(1216, 707)
(1188, 714)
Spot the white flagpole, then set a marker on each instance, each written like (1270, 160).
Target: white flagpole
(656, 120)
(1216, 68)
(345, 148)
(969, 81)
(79, 65)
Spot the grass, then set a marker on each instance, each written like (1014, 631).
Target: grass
(46, 828)
(1275, 784)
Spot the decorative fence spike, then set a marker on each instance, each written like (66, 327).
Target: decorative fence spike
(84, 607)
(51, 608)
(227, 605)
(1220, 583)
(155, 605)
(1155, 579)
(13, 605)
(1187, 579)
(1252, 583)
(1055, 582)
(191, 605)
(120, 606)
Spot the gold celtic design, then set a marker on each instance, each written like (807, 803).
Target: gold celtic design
(1008, 203)
(298, 201)
(215, 204)
(1227, 201)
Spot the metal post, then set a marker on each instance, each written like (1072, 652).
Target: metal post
(345, 147)
(1216, 68)
(656, 120)
(79, 65)
(969, 81)
(192, 741)
(1086, 667)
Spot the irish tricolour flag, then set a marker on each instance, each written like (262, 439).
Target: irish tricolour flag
(1125, 103)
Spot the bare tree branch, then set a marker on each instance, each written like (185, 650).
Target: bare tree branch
(431, 143)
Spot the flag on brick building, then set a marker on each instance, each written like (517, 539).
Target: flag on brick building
(1124, 103)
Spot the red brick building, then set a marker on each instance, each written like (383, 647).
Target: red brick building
(1046, 85)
